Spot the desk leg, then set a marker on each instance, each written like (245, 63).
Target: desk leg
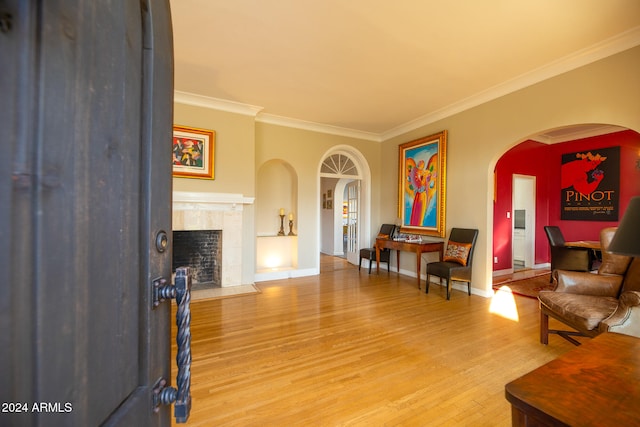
(377, 259)
(398, 260)
(518, 418)
(418, 263)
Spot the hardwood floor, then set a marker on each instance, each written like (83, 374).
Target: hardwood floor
(349, 348)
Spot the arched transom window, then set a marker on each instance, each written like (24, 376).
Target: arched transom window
(340, 165)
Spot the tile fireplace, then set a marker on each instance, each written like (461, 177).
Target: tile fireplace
(221, 212)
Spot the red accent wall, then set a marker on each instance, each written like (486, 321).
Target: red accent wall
(543, 161)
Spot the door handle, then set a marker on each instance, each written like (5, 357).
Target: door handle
(181, 291)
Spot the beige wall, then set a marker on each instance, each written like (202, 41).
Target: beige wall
(234, 164)
(304, 151)
(607, 91)
(244, 147)
(234, 152)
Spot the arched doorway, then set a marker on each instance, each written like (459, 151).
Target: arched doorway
(345, 200)
(540, 156)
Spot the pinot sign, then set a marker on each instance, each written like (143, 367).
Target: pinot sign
(590, 185)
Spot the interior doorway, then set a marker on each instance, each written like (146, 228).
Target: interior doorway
(523, 221)
(344, 203)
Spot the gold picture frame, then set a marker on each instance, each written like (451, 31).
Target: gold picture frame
(193, 152)
(422, 188)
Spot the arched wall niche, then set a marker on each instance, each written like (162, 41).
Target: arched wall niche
(276, 247)
(277, 188)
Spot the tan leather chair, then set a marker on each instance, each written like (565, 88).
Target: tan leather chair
(608, 301)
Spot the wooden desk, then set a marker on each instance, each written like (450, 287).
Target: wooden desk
(596, 384)
(418, 247)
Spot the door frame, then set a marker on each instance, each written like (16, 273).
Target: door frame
(528, 198)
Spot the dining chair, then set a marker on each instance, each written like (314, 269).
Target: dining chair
(456, 261)
(566, 258)
(386, 230)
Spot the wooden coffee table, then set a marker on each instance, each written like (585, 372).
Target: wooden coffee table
(596, 384)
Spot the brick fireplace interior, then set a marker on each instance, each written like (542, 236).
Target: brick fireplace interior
(201, 250)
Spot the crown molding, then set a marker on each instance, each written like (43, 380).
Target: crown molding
(196, 100)
(317, 127)
(255, 111)
(601, 50)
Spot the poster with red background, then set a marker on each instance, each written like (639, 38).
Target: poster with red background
(590, 185)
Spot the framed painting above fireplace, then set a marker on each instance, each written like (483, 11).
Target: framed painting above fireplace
(193, 152)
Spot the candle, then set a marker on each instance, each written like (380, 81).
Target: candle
(291, 216)
(282, 211)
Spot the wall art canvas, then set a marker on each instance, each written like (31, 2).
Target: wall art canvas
(590, 185)
(193, 152)
(422, 185)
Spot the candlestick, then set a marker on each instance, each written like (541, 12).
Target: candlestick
(281, 232)
(291, 225)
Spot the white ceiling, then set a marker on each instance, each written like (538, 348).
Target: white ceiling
(378, 68)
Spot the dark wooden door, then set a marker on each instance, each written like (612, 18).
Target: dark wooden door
(86, 89)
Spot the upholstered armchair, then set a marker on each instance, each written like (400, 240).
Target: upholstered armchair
(591, 304)
(566, 258)
(386, 231)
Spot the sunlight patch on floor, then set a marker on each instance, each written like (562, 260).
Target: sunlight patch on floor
(504, 304)
(224, 292)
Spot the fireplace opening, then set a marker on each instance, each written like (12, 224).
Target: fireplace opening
(201, 250)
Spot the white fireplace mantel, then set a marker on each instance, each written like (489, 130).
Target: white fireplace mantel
(211, 200)
(215, 211)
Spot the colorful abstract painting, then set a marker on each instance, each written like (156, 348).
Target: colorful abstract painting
(421, 188)
(193, 151)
